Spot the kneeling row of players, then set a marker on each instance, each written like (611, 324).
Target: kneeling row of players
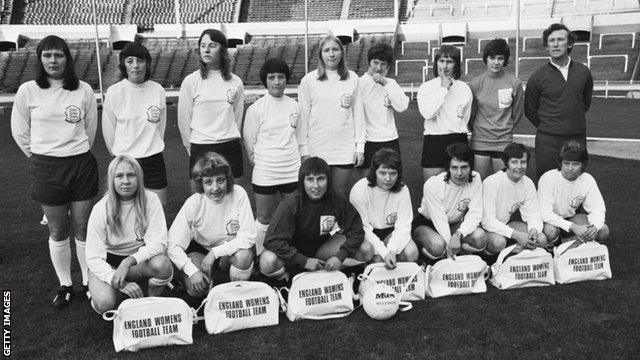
(314, 228)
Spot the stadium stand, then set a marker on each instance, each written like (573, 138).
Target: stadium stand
(77, 12)
(293, 10)
(207, 11)
(367, 9)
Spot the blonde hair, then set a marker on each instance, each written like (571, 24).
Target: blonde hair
(114, 203)
(342, 65)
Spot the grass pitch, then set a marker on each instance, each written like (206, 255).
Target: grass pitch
(583, 320)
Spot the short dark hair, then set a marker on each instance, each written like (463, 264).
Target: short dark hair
(461, 152)
(225, 61)
(274, 65)
(453, 53)
(70, 79)
(496, 47)
(211, 164)
(380, 51)
(386, 157)
(571, 37)
(514, 151)
(138, 50)
(314, 166)
(572, 150)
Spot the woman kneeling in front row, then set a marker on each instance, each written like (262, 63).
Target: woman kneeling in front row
(126, 239)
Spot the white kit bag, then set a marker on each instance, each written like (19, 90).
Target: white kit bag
(576, 261)
(240, 305)
(151, 321)
(523, 269)
(397, 279)
(319, 295)
(464, 275)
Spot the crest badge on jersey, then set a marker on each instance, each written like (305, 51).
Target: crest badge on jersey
(463, 205)
(72, 114)
(387, 101)
(232, 227)
(505, 98)
(576, 202)
(460, 110)
(153, 114)
(294, 118)
(346, 100)
(232, 96)
(391, 218)
(140, 232)
(327, 222)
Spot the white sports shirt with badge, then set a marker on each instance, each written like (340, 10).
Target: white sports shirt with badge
(560, 198)
(445, 203)
(273, 140)
(54, 121)
(502, 198)
(135, 118)
(224, 228)
(445, 111)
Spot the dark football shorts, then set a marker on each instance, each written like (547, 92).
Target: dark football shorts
(154, 170)
(489, 153)
(274, 189)
(115, 260)
(434, 146)
(371, 147)
(383, 233)
(343, 166)
(231, 150)
(420, 220)
(60, 180)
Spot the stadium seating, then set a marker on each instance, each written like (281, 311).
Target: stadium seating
(368, 9)
(77, 12)
(293, 10)
(207, 11)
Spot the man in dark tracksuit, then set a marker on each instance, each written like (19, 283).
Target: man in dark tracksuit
(557, 97)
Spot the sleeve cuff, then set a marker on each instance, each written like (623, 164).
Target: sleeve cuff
(140, 257)
(189, 269)
(360, 147)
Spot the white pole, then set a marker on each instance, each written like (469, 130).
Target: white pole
(95, 23)
(176, 6)
(517, 38)
(306, 36)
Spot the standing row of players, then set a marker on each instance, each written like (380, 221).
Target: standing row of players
(340, 118)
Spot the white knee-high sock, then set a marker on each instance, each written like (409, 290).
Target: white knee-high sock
(261, 231)
(60, 252)
(82, 260)
(236, 274)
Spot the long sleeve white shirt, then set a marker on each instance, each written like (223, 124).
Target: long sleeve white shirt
(327, 109)
(222, 228)
(503, 197)
(559, 198)
(210, 110)
(445, 203)
(54, 121)
(139, 243)
(134, 118)
(273, 140)
(381, 209)
(445, 111)
(376, 104)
